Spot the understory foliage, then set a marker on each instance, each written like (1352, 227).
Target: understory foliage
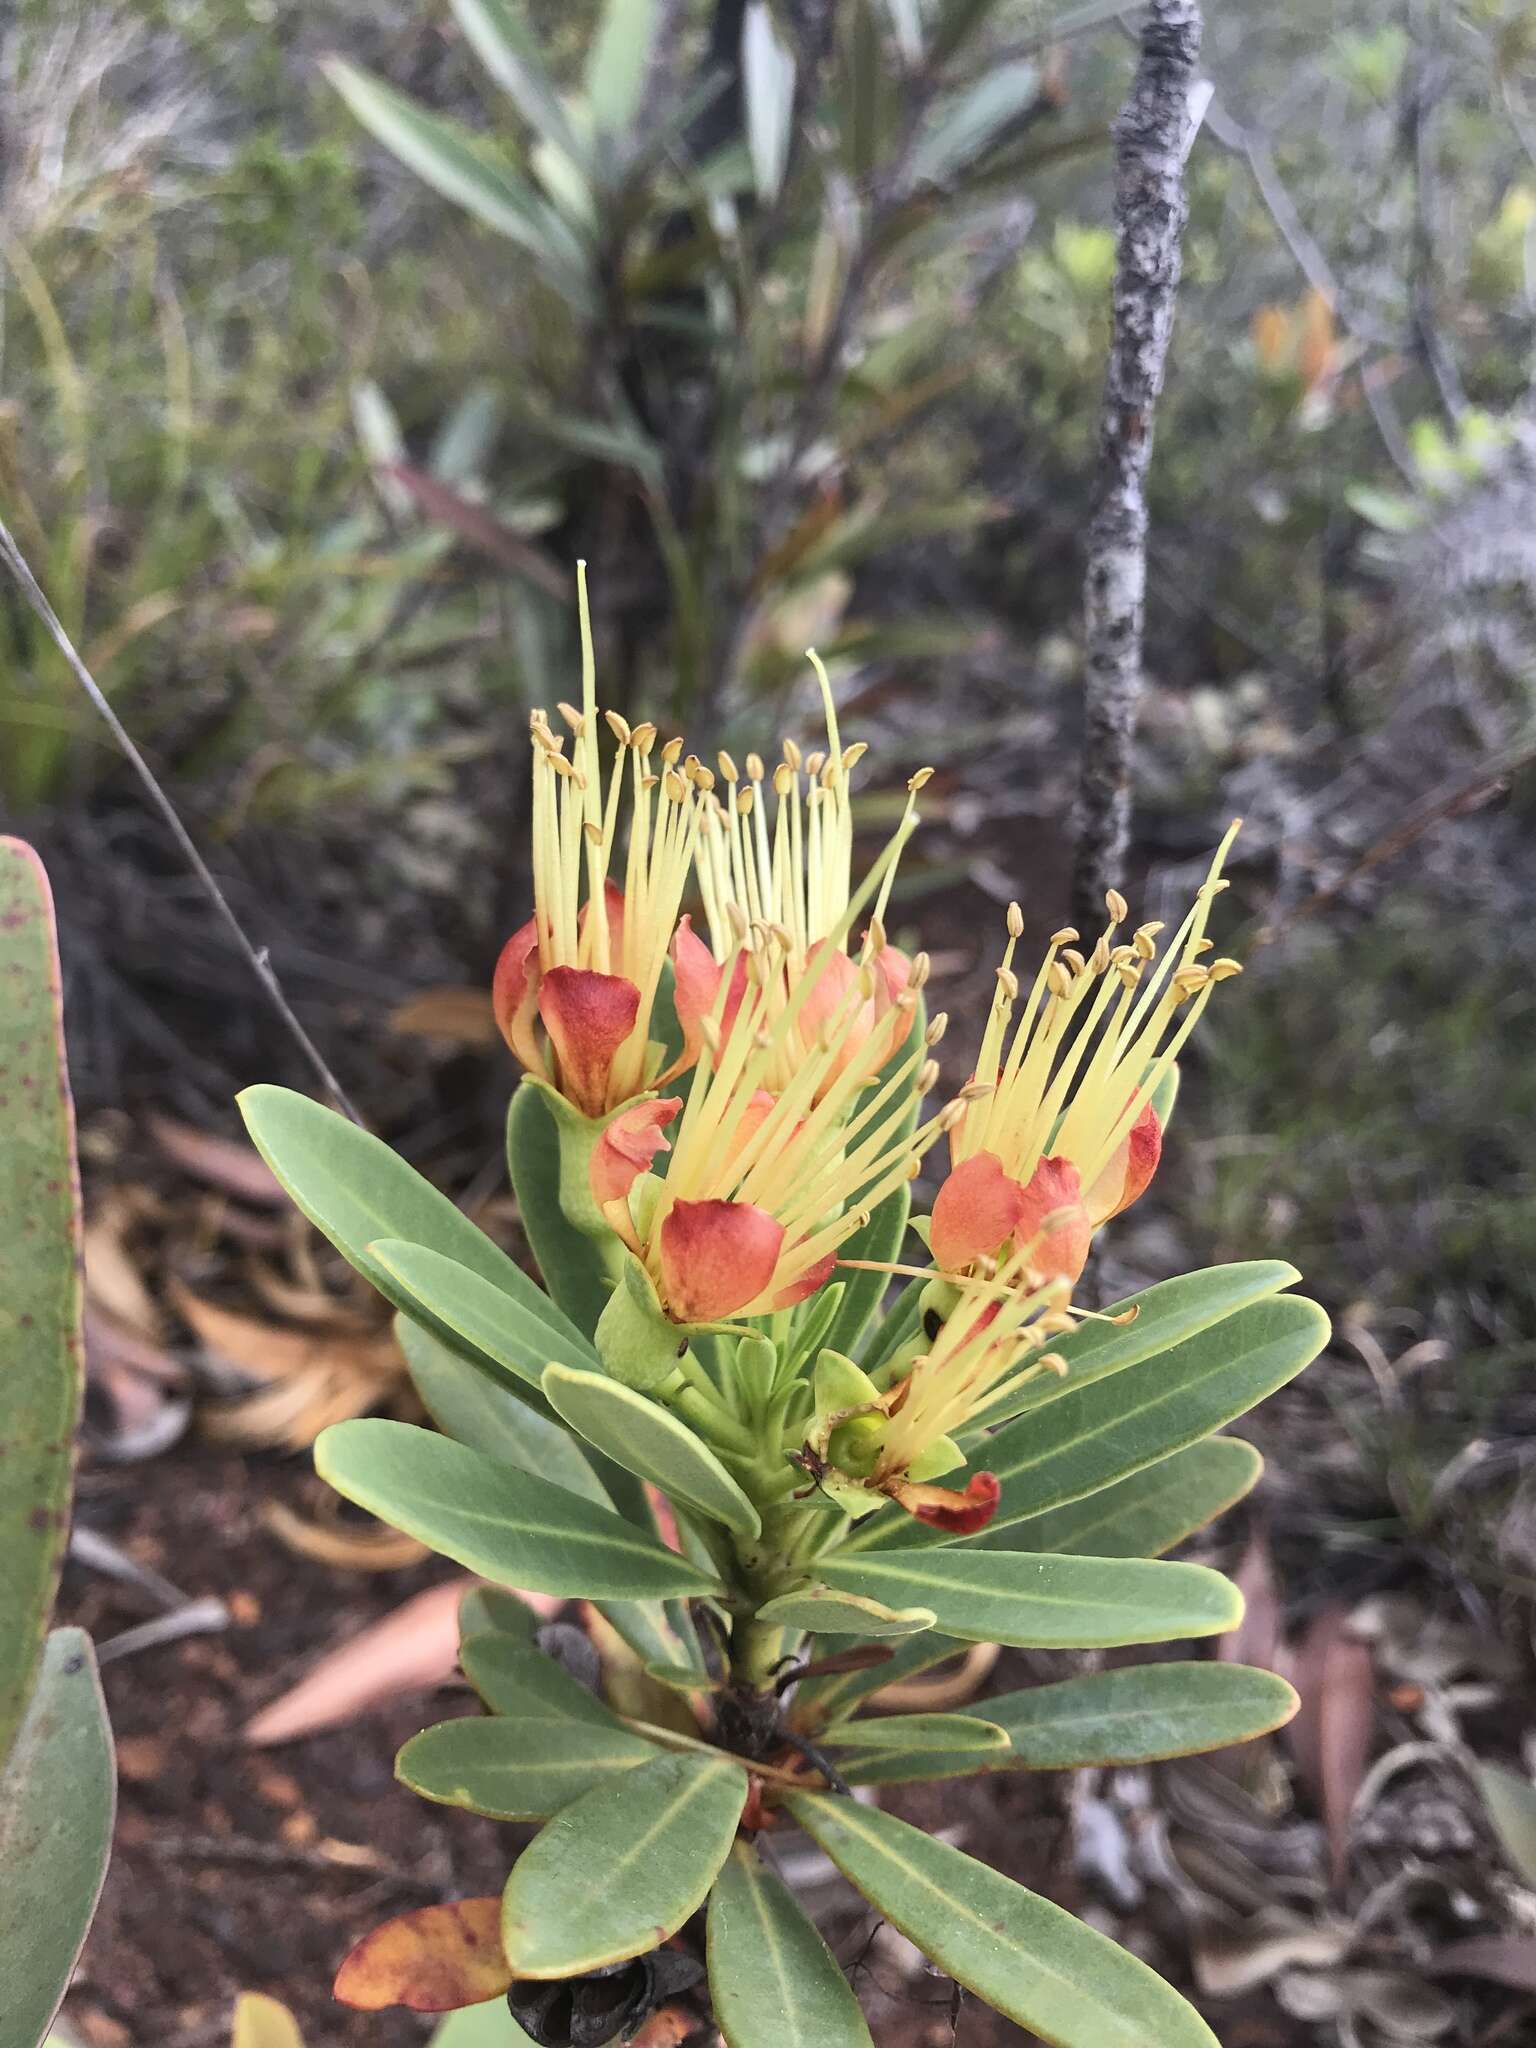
(785, 1461)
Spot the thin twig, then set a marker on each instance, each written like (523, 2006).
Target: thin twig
(255, 956)
(1153, 133)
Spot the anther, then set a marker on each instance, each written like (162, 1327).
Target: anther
(1116, 905)
(619, 726)
(920, 780)
(727, 766)
(1065, 936)
(1015, 921)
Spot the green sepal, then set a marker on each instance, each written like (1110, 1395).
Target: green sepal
(638, 1344)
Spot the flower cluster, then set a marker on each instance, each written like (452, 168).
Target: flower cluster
(796, 1040)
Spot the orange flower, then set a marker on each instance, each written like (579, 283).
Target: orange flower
(1062, 1131)
(575, 993)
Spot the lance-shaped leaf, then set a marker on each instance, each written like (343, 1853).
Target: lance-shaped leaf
(507, 1525)
(621, 1870)
(956, 1734)
(356, 1191)
(56, 1800)
(570, 1261)
(824, 1610)
(498, 33)
(454, 161)
(1511, 1804)
(1103, 1433)
(641, 1435)
(967, 126)
(619, 61)
(878, 1240)
(479, 1411)
(514, 1678)
(1045, 1603)
(40, 1363)
(768, 86)
(1022, 1955)
(772, 1979)
(475, 1409)
(1147, 1514)
(817, 1699)
(491, 1610)
(477, 1312)
(1163, 1316)
(1133, 1716)
(523, 1768)
(435, 1959)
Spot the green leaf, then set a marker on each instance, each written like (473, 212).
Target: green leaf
(40, 1357)
(768, 86)
(622, 1869)
(1140, 1714)
(1105, 1432)
(446, 1295)
(619, 61)
(879, 1239)
(56, 1803)
(820, 1610)
(1165, 1315)
(509, 1526)
(641, 1435)
(490, 1610)
(570, 1261)
(481, 2026)
(1025, 1957)
(498, 33)
(967, 126)
(514, 1678)
(772, 1979)
(957, 1734)
(1147, 1514)
(1044, 1603)
(1511, 1804)
(454, 161)
(525, 1768)
(817, 1699)
(357, 1192)
(489, 1416)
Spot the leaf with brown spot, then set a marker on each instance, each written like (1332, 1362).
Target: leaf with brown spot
(436, 1959)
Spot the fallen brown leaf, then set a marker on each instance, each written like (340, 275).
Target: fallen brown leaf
(461, 1014)
(1335, 1725)
(306, 1378)
(1508, 1959)
(223, 1163)
(435, 1959)
(414, 1647)
(365, 1547)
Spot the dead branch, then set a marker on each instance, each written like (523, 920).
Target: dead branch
(1152, 136)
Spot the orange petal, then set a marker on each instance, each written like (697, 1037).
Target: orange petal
(894, 970)
(814, 1277)
(829, 996)
(1055, 1192)
(975, 1212)
(515, 994)
(433, 1960)
(628, 1145)
(716, 1257)
(941, 1507)
(1130, 1169)
(588, 1017)
(696, 984)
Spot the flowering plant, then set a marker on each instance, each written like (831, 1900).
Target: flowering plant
(778, 1488)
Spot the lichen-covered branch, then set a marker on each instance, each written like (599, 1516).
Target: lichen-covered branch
(1152, 135)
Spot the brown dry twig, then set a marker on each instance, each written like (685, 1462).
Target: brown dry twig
(1153, 133)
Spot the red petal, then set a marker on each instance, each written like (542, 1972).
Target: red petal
(1055, 1190)
(716, 1257)
(627, 1147)
(895, 971)
(975, 1213)
(826, 999)
(812, 1278)
(515, 994)
(957, 1514)
(1130, 1169)
(613, 898)
(696, 984)
(588, 1017)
